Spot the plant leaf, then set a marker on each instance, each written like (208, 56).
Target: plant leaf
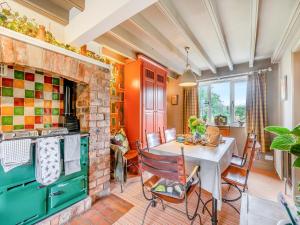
(295, 150)
(277, 130)
(297, 163)
(283, 142)
(296, 131)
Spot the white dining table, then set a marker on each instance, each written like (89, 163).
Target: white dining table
(212, 160)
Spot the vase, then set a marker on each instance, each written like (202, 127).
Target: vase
(83, 50)
(41, 33)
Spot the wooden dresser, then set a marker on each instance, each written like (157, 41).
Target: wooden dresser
(144, 98)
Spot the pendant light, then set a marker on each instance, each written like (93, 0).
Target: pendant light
(188, 78)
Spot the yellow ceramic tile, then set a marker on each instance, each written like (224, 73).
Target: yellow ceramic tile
(61, 104)
(47, 104)
(18, 83)
(29, 120)
(48, 87)
(7, 111)
(29, 102)
(47, 119)
(7, 128)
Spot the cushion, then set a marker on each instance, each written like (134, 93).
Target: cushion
(121, 140)
(171, 188)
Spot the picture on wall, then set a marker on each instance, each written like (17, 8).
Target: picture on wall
(174, 99)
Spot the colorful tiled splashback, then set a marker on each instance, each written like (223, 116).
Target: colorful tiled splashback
(30, 99)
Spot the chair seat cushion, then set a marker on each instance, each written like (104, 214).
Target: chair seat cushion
(171, 188)
(235, 160)
(235, 175)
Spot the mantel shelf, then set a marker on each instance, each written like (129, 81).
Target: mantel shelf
(42, 44)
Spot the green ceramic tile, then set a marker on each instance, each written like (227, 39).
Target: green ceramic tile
(55, 111)
(19, 111)
(55, 81)
(7, 120)
(38, 111)
(19, 75)
(39, 86)
(47, 125)
(7, 92)
(55, 96)
(39, 72)
(18, 127)
(29, 94)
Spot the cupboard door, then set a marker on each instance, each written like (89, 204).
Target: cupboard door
(148, 101)
(160, 102)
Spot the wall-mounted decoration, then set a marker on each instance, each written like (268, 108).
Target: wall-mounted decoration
(284, 88)
(174, 99)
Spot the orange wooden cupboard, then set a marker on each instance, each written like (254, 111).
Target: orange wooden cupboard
(144, 98)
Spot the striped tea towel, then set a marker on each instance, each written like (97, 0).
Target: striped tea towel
(72, 154)
(15, 153)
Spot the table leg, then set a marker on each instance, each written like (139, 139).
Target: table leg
(214, 211)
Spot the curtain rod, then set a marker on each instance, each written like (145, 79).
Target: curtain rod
(269, 69)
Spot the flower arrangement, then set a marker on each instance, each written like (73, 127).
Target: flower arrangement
(196, 125)
(286, 140)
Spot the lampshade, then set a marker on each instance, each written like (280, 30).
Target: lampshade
(188, 78)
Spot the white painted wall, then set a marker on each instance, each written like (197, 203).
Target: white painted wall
(54, 27)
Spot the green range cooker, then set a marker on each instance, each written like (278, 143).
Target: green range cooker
(24, 201)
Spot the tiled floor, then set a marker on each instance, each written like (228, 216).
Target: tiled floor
(127, 208)
(104, 212)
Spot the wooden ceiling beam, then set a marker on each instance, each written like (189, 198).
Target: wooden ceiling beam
(171, 13)
(254, 11)
(79, 4)
(219, 30)
(48, 9)
(144, 25)
(287, 34)
(136, 43)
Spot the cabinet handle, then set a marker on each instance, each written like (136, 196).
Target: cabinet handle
(56, 193)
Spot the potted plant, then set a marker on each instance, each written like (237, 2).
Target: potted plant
(197, 127)
(286, 140)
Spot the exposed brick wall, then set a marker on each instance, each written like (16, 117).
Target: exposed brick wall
(93, 109)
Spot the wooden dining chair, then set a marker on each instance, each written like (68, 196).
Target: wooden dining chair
(170, 134)
(168, 182)
(237, 177)
(241, 160)
(153, 139)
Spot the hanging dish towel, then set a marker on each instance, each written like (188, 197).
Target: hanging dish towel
(48, 166)
(15, 153)
(72, 154)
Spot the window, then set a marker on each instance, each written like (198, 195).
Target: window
(227, 98)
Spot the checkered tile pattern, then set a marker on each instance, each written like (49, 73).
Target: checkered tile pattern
(30, 99)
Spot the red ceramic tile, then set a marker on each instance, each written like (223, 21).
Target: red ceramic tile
(55, 125)
(39, 94)
(38, 119)
(18, 101)
(29, 76)
(61, 97)
(48, 80)
(61, 111)
(55, 88)
(47, 111)
(7, 82)
(29, 126)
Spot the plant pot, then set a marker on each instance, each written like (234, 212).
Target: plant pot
(41, 34)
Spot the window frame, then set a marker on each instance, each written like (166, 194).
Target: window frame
(232, 83)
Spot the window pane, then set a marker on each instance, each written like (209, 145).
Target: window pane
(204, 102)
(220, 100)
(240, 89)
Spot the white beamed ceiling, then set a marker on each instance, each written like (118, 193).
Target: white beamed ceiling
(219, 32)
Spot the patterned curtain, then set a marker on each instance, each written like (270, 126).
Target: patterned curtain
(190, 105)
(256, 112)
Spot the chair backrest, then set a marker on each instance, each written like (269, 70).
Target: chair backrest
(251, 137)
(170, 134)
(251, 154)
(165, 166)
(153, 139)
